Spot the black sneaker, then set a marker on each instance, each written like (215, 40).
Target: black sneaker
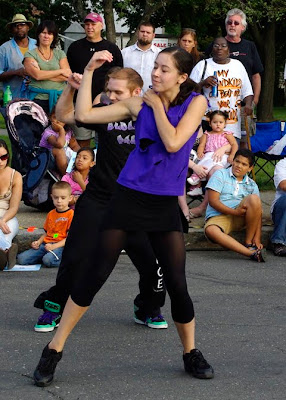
(279, 249)
(44, 373)
(196, 365)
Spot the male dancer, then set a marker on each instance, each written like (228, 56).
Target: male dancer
(116, 141)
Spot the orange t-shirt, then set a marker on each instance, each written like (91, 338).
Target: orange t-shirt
(57, 225)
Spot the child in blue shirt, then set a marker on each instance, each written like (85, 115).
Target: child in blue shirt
(234, 204)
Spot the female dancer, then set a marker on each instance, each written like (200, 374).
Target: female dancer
(168, 118)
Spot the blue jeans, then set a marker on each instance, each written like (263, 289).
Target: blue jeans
(41, 255)
(279, 219)
(6, 238)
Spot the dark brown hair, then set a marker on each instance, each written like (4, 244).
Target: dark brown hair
(51, 28)
(4, 145)
(184, 63)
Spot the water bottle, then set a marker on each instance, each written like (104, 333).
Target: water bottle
(215, 88)
(7, 96)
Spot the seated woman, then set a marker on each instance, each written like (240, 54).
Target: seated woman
(47, 66)
(10, 197)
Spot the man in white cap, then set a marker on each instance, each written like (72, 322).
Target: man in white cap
(80, 52)
(12, 53)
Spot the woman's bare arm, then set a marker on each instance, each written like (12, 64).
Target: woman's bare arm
(17, 187)
(40, 75)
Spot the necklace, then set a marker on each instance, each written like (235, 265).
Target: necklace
(46, 59)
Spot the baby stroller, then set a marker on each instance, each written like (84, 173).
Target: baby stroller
(26, 122)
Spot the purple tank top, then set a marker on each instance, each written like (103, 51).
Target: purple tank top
(150, 168)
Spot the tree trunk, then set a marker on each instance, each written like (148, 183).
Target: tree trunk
(266, 45)
(79, 8)
(151, 7)
(109, 20)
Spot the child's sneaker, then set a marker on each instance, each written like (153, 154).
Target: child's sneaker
(193, 180)
(44, 373)
(157, 322)
(196, 365)
(50, 319)
(197, 191)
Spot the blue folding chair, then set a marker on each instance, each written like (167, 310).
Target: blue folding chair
(266, 134)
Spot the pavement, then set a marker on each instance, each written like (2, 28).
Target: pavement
(240, 328)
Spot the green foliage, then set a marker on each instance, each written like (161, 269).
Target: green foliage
(60, 12)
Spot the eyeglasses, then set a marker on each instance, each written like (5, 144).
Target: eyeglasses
(217, 46)
(4, 157)
(229, 22)
(19, 24)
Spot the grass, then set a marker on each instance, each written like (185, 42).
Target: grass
(261, 178)
(2, 123)
(279, 113)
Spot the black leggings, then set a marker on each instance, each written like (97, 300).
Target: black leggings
(169, 249)
(80, 248)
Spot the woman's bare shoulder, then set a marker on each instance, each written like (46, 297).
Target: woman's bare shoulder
(17, 177)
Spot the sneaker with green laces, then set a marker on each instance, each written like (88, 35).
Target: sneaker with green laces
(157, 322)
(50, 318)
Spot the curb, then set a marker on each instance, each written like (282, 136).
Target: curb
(194, 240)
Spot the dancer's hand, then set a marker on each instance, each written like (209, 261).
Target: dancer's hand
(151, 98)
(98, 59)
(74, 80)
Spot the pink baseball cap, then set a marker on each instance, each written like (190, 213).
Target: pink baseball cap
(94, 17)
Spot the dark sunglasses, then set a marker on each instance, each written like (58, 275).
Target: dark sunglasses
(233, 22)
(4, 157)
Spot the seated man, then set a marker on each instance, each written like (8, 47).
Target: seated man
(234, 204)
(278, 208)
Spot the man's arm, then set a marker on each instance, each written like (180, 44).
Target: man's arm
(282, 185)
(256, 85)
(9, 74)
(214, 201)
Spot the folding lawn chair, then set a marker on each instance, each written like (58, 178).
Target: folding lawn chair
(266, 134)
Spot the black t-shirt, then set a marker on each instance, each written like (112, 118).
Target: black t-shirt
(115, 142)
(80, 52)
(246, 52)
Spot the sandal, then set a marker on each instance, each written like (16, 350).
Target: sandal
(258, 256)
(251, 246)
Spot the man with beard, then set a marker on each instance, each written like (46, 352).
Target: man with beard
(12, 53)
(142, 54)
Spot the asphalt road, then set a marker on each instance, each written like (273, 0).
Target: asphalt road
(240, 308)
